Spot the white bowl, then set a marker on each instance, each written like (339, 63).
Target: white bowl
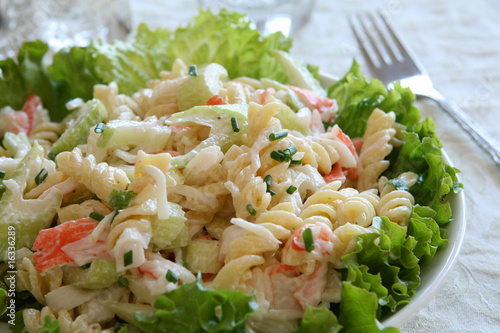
(434, 275)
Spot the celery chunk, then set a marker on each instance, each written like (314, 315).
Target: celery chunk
(148, 135)
(100, 274)
(202, 255)
(90, 114)
(171, 232)
(197, 90)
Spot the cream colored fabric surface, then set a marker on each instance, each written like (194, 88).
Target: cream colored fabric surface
(458, 42)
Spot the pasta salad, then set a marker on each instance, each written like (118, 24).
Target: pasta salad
(206, 181)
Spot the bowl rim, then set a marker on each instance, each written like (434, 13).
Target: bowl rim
(445, 258)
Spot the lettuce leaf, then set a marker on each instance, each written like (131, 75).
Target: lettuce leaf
(227, 39)
(318, 319)
(27, 75)
(357, 311)
(357, 97)
(192, 308)
(389, 255)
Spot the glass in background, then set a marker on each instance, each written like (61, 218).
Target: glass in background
(61, 23)
(269, 16)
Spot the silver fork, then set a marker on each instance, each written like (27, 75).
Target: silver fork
(390, 61)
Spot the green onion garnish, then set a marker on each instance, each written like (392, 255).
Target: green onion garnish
(128, 258)
(96, 216)
(193, 70)
(95, 197)
(41, 176)
(278, 135)
(251, 209)
(52, 155)
(234, 124)
(86, 266)
(284, 155)
(120, 199)
(99, 128)
(268, 180)
(291, 189)
(292, 150)
(308, 239)
(123, 282)
(2, 174)
(172, 277)
(296, 162)
(278, 155)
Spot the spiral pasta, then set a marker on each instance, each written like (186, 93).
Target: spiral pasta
(99, 178)
(397, 204)
(29, 279)
(376, 146)
(117, 105)
(34, 319)
(46, 133)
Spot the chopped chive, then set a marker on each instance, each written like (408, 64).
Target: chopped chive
(291, 189)
(52, 155)
(278, 155)
(193, 70)
(86, 266)
(128, 258)
(2, 174)
(268, 180)
(296, 162)
(234, 124)
(96, 216)
(95, 197)
(292, 150)
(278, 135)
(123, 282)
(2, 187)
(99, 128)
(120, 199)
(41, 176)
(251, 209)
(172, 277)
(284, 155)
(307, 235)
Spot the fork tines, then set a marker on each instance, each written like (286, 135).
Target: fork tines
(379, 42)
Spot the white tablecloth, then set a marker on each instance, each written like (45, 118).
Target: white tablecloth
(458, 41)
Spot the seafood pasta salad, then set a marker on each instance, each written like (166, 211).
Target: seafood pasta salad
(203, 180)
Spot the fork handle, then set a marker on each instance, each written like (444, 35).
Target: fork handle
(478, 134)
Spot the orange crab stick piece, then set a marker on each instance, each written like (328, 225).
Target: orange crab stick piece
(49, 242)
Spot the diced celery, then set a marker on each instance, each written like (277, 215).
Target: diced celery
(289, 120)
(25, 218)
(218, 118)
(90, 114)
(100, 274)
(217, 226)
(197, 90)
(166, 232)
(149, 135)
(203, 256)
(297, 73)
(126, 311)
